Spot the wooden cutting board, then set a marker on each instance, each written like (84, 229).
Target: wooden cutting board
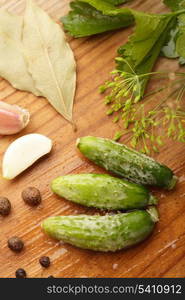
(163, 254)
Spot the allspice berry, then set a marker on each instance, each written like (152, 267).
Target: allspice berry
(44, 261)
(5, 206)
(15, 244)
(20, 273)
(31, 196)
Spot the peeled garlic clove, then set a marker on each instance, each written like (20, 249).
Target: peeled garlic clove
(23, 152)
(12, 118)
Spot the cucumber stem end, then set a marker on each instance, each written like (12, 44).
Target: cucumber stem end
(153, 213)
(172, 182)
(152, 200)
(77, 142)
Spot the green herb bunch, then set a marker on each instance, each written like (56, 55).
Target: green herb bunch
(139, 114)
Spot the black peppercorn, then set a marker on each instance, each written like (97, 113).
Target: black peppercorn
(44, 261)
(20, 273)
(5, 206)
(15, 244)
(31, 196)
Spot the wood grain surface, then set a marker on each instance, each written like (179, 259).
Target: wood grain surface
(163, 254)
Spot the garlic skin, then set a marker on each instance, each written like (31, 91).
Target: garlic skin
(13, 118)
(23, 152)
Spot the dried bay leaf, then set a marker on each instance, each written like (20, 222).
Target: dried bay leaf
(35, 57)
(50, 59)
(12, 64)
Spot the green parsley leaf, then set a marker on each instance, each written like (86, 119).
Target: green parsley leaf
(169, 50)
(89, 17)
(181, 36)
(175, 44)
(144, 46)
(175, 4)
(116, 2)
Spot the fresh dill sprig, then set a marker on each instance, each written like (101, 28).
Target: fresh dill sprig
(149, 119)
(125, 92)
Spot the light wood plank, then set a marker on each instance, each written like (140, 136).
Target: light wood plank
(162, 255)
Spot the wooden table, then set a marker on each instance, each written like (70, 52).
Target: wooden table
(163, 254)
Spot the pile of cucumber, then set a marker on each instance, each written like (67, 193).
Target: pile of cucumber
(121, 230)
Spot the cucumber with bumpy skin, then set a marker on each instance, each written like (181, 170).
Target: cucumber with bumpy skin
(126, 162)
(102, 191)
(102, 233)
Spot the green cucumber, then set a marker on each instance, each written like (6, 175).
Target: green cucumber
(102, 233)
(102, 191)
(126, 162)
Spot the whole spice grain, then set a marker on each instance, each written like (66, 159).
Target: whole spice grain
(15, 244)
(5, 206)
(44, 261)
(20, 273)
(31, 196)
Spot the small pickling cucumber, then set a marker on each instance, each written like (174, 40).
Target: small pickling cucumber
(126, 162)
(102, 191)
(102, 233)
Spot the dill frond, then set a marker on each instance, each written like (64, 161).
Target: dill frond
(135, 115)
